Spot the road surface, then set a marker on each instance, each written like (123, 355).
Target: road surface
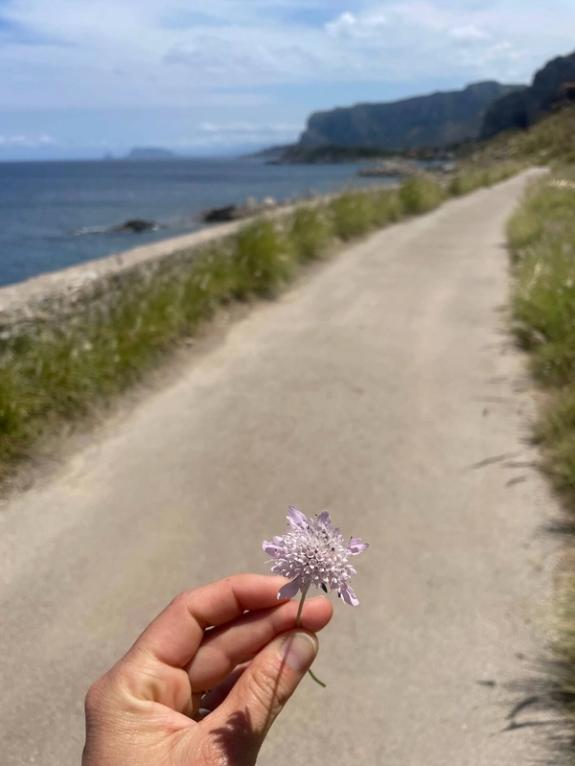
(384, 388)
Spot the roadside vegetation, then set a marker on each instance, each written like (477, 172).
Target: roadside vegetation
(548, 142)
(542, 242)
(55, 373)
(473, 178)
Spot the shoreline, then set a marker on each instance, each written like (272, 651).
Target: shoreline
(31, 296)
(36, 239)
(59, 292)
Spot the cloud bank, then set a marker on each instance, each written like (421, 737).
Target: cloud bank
(176, 54)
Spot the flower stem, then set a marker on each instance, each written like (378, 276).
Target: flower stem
(298, 624)
(300, 608)
(316, 679)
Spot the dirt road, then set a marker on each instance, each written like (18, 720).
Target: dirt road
(384, 388)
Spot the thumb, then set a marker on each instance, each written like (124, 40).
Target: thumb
(244, 718)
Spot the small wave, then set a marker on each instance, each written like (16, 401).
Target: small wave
(86, 231)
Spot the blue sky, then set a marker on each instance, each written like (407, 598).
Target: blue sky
(83, 77)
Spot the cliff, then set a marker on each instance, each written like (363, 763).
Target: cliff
(552, 86)
(433, 121)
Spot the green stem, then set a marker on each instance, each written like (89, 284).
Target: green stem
(316, 679)
(300, 608)
(298, 624)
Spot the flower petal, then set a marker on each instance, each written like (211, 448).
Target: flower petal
(289, 590)
(271, 548)
(297, 519)
(356, 546)
(349, 596)
(325, 519)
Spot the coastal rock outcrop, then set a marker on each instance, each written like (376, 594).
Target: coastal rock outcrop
(136, 226)
(237, 212)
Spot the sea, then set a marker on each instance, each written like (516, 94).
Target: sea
(58, 214)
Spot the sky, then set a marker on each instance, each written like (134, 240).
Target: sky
(81, 78)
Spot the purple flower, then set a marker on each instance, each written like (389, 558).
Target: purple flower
(314, 552)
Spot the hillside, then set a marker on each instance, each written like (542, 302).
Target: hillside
(433, 121)
(550, 140)
(553, 86)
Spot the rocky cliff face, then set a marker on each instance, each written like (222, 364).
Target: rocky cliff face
(433, 121)
(552, 86)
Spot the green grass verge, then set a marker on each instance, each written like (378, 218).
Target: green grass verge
(471, 178)
(542, 241)
(62, 371)
(420, 195)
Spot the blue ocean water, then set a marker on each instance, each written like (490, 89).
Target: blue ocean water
(57, 214)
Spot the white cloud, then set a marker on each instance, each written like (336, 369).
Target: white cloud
(464, 41)
(468, 32)
(358, 27)
(133, 53)
(401, 19)
(27, 141)
(233, 133)
(231, 58)
(248, 127)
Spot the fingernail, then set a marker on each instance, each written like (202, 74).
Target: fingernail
(300, 651)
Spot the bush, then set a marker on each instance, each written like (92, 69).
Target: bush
(386, 207)
(420, 194)
(309, 232)
(463, 183)
(262, 260)
(352, 214)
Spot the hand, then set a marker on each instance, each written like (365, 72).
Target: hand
(205, 681)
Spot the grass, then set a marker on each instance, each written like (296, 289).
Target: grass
(61, 371)
(471, 178)
(311, 234)
(351, 215)
(262, 260)
(420, 195)
(542, 241)
(548, 142)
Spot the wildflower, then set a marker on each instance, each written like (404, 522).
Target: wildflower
(314, 552)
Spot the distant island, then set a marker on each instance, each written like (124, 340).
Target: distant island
(150, 153)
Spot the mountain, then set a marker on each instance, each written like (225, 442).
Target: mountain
(552, 86)
(434, 121)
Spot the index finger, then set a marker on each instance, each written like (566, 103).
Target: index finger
(175, 635)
